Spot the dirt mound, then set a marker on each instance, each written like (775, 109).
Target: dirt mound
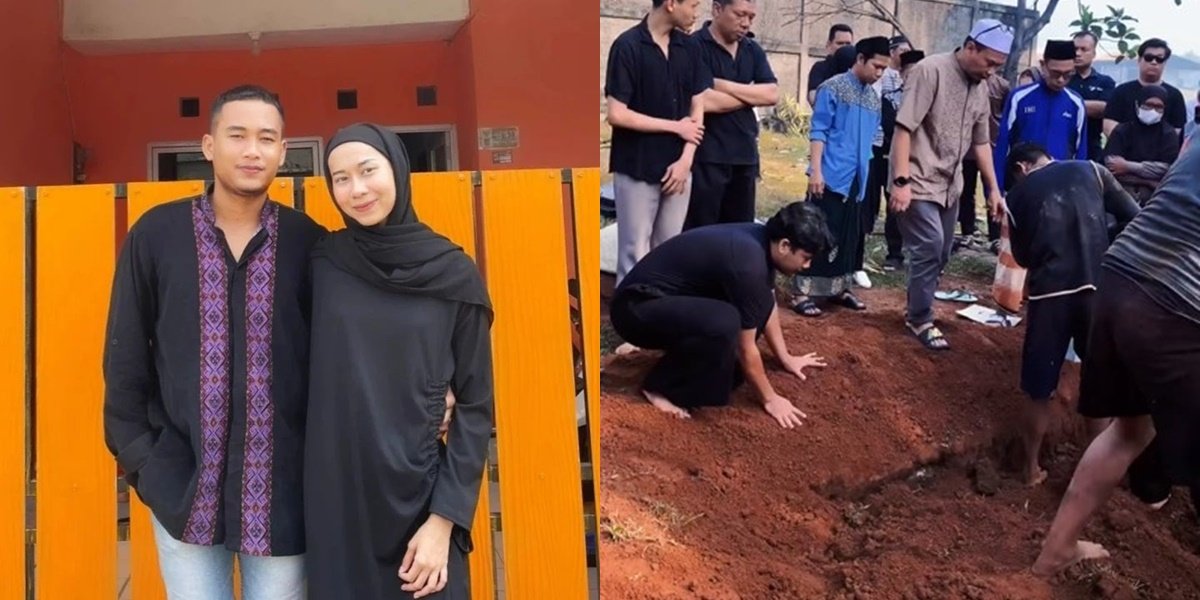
(899, 485)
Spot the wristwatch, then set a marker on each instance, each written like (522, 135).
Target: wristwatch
(901, 181)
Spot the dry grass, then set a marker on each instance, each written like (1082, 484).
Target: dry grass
(784, 159)
(671, 518)
(622, 530)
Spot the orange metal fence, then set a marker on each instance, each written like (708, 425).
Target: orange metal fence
(535, 235)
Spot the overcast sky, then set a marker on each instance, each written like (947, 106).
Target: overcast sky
(1156, 18)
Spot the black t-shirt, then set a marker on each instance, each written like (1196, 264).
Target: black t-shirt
(732, 137)
(728, 262)
(655, 85)
(1096, 87)
(820, 71)
(1122, 107)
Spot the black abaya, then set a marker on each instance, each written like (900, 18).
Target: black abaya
(374, 465)
(400, 315)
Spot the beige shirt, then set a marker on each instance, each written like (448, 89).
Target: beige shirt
(947, 113)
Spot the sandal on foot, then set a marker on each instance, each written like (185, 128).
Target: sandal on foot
(931, 337)
(807, 308)
(962, 296)
(849, 300)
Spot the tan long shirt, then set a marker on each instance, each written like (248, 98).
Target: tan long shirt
(947, 113)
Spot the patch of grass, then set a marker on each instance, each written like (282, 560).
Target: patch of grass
(973, 265)
(621, 531)
(783, 160)
(670, 516)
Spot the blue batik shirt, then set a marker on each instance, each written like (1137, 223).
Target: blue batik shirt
(846, 117)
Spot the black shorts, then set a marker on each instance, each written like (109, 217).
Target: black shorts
(1050, 325)
(1145, 360)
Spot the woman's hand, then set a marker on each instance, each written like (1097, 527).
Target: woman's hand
(445, 426)
(424, 567)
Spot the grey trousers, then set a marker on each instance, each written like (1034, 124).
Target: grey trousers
(645, 218)
(928, 232)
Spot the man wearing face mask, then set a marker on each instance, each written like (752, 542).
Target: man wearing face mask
(1046, 112)
(1153, 55)
(1140, 152)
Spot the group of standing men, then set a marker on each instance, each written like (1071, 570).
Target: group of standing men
(685, 134)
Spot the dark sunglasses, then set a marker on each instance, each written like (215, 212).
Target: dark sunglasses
(1154, 58)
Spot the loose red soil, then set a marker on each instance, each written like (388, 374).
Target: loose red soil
(901, 484)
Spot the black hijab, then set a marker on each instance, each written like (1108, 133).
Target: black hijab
(400, 255)
(1157, 142)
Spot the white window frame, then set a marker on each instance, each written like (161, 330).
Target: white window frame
(450, 130)
(156, 149)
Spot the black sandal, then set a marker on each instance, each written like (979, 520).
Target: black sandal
(849, 300)
(931, 337)
(807, 308)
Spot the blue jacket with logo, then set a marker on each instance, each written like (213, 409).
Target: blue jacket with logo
(1055, 120)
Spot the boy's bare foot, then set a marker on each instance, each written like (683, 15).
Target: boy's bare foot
(1037, 478)
(625, 349)
(665, 405)
(1048, 565)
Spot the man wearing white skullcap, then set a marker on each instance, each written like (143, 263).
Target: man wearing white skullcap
(944, 115)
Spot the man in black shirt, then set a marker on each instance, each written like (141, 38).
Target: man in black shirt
(726, 170)
(1141, 365)
(1057, 210)
(655, 87)
(839, 35)
(1094, 87)
(705, 296)
(1153, 55)
(206, 362)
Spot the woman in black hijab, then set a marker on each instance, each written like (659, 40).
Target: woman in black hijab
(1140, 152)
(400, 317)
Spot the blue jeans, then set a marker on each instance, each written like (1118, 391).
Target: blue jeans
(192, 572)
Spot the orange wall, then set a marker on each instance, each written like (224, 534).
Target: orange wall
(536, 68)
(133, 100)
(533, 69)
(35, 127)
(463, 50)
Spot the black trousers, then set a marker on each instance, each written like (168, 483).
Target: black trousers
(966, 203)
(721, 193)
(876, 184)
(698, 337)
(1142, 360)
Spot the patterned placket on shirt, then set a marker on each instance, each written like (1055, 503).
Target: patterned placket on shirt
(215, 383)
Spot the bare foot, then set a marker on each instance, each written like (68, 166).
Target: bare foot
(626, 349)
(665, 405)
(1049, 566)
(1037, 478)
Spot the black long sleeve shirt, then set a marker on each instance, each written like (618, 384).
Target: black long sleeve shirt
(1060, 225)
(205, 369)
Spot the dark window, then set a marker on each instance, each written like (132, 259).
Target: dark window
(189, 107)
(427, 95)
(347, 99)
